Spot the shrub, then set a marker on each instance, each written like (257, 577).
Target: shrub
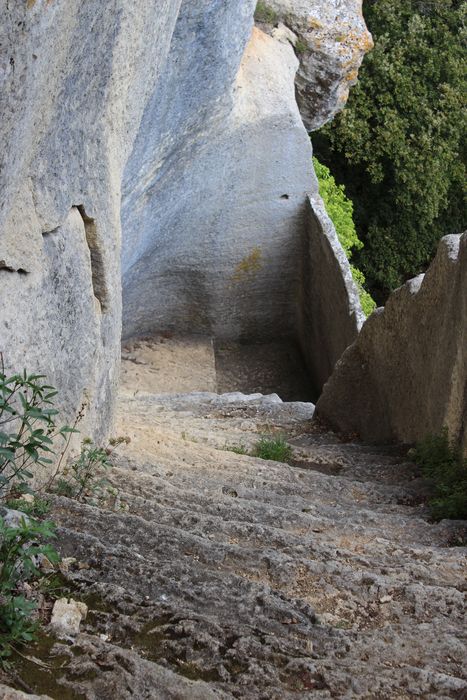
(20, 547)
(84, 477)
(444, 466)
(27, 433)
(340, 210)
(27, 428)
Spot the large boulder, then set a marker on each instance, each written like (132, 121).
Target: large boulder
(406, 374)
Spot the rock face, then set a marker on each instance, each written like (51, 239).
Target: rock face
(74, 79)
(213, 221)
(167, 122)
(215, 200)
(406, 374)
(331, 39)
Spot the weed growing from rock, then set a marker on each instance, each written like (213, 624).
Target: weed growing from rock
(264, 13)
(273, 448)
(270, 448)
(84, 477)
(36, 507)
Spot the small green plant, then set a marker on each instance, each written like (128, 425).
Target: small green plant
(238, 449)
(84, 477)
(273, 448)
(20, 547)
(445, 467)
(27, 428)
(340, 211)
(264, 13)
(36, 508)
(300, 46)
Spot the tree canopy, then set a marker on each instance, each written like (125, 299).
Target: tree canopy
(399, 146)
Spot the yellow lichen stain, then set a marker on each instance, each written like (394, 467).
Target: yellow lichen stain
(31, 3)
(248, 266)
(352, 76)
(315, 23)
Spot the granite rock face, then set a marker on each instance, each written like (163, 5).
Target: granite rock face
(406, 374)
(330, 39)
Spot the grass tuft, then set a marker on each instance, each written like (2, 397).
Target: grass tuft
(263, 13)
(275, 449)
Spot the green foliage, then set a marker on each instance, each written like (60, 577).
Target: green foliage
(37, 508)
(27, 432)
(27, 428)
(264, 13)
(273, 448)
(340, 211)
(399, 146)
(20, 547)
(300, 46)
(84, 478)
(444, 466)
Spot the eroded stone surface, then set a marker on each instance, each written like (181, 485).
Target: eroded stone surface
(166, 122)
(406, 374)
(331, 39)
(74, 80)
(213, 220)
(257, 579)
(331, 313)
(67, 615)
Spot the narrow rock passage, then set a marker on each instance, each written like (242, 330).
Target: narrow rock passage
(227, 576)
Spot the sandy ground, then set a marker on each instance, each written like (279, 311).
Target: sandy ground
(164, 364)
(174, 364)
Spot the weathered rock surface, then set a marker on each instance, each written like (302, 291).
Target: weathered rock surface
(331, 39)
(219, 575)
(406, 374)
(214, 244)
(74, 78)
(11, 694)
(67, 615)
(213, 208)
(170, 105)
(331, 313)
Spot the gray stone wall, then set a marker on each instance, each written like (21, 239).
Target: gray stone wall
(406, 374)
(330, 311)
